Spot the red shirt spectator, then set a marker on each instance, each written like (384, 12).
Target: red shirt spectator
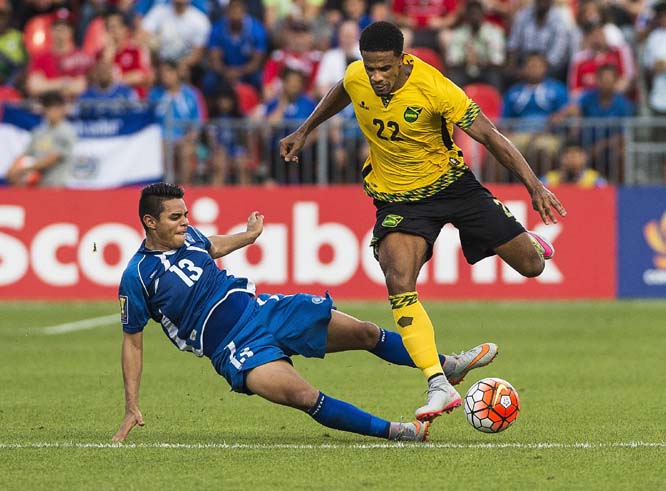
(595, 54)
(298, 55)
(62, 67)
(419, 14)
(130, 59)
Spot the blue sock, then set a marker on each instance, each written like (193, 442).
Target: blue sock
(390, 348)
(343, 416)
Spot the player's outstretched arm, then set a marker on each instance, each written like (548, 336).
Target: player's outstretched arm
(221, 245)
(132, 362)
(333, 102)
(506, 153)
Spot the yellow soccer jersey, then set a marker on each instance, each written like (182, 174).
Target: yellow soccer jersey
(412, 153)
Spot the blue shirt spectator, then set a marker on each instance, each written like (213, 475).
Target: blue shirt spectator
(238, 45)
(535, 99)
(591, 105)
(178, 105)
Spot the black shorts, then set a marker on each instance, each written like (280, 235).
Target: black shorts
(483, 221)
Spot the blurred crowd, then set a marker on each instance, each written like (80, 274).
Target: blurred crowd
(208, 65)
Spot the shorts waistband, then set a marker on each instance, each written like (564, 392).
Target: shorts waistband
(223, 318)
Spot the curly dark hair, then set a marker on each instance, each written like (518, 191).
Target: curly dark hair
(152, 197)
(382, 36)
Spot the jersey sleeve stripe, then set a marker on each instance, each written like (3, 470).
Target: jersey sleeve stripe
(470, 115)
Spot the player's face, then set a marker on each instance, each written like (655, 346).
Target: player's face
(383, 69)
(169, 230)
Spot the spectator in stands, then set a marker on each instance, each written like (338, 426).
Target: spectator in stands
(539, 28)
(534, 102)
(286, 111)
(293, 103)
(13, 56)
(334, 61)
(654, 60)
(476, 49)
(129, 58)
(103, 86)
(49, 155)
(177, 31)
(179, 108)
(346, 139)
(573, 169)
(596, 52)
(62, 67)
(426, 18)
(237, 48)
(298, 54)
(606, 104)
(279, 13)
(592, 12)
(226, 151)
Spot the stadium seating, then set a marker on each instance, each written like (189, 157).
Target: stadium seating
(37, 34)
(490, 101)
(248, 97)
(93, 41)
(430, 56)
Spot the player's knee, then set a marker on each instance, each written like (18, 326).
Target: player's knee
(367, 335)
(302, 398)
(398, 282)
(533, 266)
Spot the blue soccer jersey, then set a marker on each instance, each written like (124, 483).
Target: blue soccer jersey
(178, 289)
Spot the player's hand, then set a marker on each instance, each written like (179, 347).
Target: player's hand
(544, 201)
(255, 224)
(133, 417)
(290, 145)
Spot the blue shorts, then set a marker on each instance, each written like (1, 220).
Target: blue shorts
(277, 327)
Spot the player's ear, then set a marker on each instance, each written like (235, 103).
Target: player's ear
(150, 221)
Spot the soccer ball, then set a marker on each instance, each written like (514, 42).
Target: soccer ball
(491, 405)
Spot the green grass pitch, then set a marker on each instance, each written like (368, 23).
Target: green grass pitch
(591, 378)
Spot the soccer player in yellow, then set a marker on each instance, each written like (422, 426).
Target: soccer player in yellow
(419, 181)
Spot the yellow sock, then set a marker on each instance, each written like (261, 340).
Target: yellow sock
(416, 331)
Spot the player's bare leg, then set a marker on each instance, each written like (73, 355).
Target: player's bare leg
(401, 257)
(347, 333)
(526, 253)
(279, 382)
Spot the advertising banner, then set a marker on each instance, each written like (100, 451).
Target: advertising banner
(65, 244)
(110, 142)
(642, 242)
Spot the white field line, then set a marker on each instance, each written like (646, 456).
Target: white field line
(360, 446)
(79, 325)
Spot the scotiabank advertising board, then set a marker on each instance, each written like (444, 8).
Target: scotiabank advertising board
(63, 244)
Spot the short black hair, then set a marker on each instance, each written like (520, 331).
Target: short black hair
(382, 36)
(152, 197)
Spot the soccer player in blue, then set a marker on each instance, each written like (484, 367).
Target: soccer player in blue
(174, 280)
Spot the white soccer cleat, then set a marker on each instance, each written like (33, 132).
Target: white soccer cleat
(442, 398)
(416, 431)
(456, 367)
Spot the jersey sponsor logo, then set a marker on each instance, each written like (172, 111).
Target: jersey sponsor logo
(412, 113)
(317, 300)
(124, 301)
(363, 105)
(391, 221)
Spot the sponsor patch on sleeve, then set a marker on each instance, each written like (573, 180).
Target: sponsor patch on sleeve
(123, 308)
